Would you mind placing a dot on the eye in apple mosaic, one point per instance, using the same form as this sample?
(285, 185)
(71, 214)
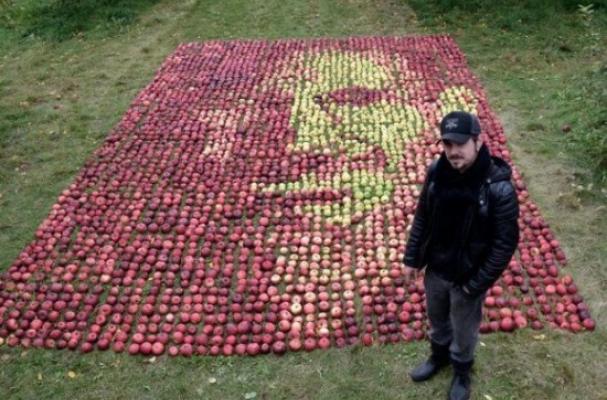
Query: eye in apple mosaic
(256, 198)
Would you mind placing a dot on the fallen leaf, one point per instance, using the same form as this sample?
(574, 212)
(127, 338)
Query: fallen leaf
(488, 397)
(539, 337)
(71, 374)
(39, 376)
(482, 344)
(250, 395)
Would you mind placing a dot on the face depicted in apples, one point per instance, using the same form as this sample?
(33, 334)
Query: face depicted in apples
(348, 107)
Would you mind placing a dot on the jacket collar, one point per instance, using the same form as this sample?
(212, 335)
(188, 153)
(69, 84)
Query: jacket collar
(500, 170)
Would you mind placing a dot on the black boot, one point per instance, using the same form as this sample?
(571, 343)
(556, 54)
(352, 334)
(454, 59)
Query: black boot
(460, 385)
(438, 359)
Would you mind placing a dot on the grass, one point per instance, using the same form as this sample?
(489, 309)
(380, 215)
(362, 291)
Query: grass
(538, 71)
(60, 20)
(61, 93)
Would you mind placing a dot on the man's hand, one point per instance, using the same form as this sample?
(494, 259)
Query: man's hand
(467, 293)
(410, 271)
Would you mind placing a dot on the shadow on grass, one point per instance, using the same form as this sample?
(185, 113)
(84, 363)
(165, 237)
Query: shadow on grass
(59, 20)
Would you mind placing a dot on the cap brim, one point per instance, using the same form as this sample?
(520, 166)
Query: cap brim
(459, 138)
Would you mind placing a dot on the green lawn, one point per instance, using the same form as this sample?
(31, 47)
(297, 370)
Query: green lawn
(62, 89)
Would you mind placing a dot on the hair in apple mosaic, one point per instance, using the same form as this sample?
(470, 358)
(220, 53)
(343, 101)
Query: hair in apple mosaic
(256, 198)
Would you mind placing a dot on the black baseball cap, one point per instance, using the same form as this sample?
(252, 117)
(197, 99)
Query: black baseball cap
(459, 127)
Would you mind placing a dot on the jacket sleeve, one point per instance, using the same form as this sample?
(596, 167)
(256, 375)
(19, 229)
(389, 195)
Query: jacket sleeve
(413, 250)
(505, 236)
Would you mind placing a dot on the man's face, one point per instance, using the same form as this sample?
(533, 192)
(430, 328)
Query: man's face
(461, 156)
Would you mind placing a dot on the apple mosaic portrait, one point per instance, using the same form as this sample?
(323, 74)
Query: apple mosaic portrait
(256, 197)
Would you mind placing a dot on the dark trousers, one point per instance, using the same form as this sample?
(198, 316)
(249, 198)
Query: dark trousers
(454, 318)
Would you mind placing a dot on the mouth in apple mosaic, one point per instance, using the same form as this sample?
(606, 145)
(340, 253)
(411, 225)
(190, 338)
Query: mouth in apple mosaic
(256, 197)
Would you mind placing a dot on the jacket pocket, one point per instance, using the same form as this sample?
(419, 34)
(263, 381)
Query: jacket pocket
(472, 259)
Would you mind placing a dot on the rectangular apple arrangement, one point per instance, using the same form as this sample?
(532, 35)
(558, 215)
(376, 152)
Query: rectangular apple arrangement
(256, 197)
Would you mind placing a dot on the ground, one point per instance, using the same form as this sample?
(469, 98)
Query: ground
(60, 98)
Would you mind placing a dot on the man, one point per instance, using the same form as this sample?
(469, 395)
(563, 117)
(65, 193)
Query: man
(464, 232)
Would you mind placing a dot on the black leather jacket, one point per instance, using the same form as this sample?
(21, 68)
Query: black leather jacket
(493, 232)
